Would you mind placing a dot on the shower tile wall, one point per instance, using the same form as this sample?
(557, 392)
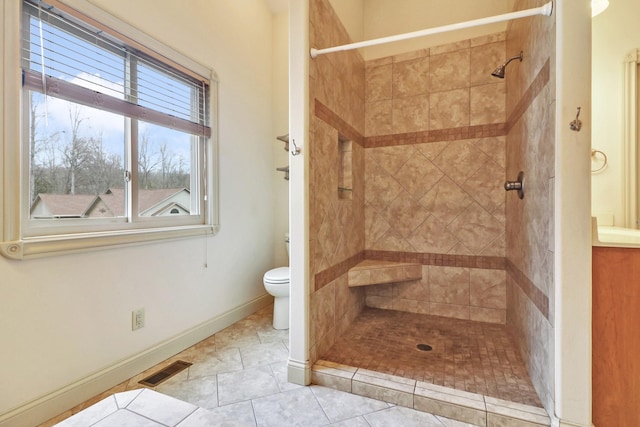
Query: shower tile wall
(434, 171)
(530, 227)
(336, 93)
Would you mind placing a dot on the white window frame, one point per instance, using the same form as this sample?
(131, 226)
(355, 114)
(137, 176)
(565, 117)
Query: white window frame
(14, 241)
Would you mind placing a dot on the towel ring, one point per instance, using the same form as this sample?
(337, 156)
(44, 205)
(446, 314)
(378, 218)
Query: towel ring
(594, 154)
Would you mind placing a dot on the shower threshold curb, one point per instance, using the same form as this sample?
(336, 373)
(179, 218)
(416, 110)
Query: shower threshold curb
(459, 405)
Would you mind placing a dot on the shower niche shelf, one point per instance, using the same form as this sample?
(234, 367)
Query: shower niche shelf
(372, 272)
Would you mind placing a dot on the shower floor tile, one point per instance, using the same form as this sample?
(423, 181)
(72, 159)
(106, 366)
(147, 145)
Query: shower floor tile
(472, 356)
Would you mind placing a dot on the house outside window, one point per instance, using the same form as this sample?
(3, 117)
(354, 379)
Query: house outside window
(116, 138)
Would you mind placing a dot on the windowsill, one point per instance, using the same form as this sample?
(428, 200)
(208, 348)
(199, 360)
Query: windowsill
(71, 243)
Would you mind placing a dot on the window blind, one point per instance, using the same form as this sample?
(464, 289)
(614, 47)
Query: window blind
(86, 65)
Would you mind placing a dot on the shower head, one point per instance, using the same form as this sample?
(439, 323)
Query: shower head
(499, 72)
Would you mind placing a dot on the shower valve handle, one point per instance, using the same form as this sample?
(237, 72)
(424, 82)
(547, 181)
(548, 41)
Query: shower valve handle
(512, 185)
(517, 185)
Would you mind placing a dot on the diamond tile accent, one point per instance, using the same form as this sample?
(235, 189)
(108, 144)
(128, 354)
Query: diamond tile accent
(406, 214)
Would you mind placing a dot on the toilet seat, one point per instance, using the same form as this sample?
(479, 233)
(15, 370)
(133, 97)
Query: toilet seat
(277, 275)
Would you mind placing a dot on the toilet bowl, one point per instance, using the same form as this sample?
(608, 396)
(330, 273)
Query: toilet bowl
(276, 282)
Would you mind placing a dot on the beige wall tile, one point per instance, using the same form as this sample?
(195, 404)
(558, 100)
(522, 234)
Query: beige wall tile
(322, 305)
(385, 303)
(460, 249)
(432, 149)
(378, 118)
(411, 78)
(487, 104)
(449, 109)
(411, 114)
(449, 71)
(380, 290)
(405, 214)
(496, 248)
(392, 241)
(387, 60)
(378, 83)
(449, 310)
(380, 188)
(460, 160)
(485, 58)
(446, 200)
(375, 226)
(476, 228)
(432, 236)
(486, 186)
(411, 290)
(488, 288)
(494, 148)
(488, 315)
(392, 158)
(449, 285)
(410, 306)
(418, 175)
(499, 213)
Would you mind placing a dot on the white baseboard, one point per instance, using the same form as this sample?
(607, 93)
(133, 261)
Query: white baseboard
(52, 404)
(299, 372)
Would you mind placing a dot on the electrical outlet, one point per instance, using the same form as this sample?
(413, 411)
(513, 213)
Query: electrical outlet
(137, 319)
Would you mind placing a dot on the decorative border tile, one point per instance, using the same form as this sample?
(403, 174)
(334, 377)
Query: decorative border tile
(332, 119)
(437, 135)
(324, 277)
(445, 260)
(539, 299)
(330, 274)
(529, 96)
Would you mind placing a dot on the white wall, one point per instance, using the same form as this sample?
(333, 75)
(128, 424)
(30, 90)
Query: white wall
(351, 13)
(371, 19)
(65, 317)
(614, 33)
(386, 18)
(280, 127)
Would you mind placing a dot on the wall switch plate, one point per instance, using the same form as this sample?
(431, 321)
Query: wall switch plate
(137, 319)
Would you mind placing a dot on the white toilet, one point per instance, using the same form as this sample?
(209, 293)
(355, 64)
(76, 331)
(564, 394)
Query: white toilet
(276, 282)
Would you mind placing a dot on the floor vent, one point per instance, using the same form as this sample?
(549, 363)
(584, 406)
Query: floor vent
(166, 373)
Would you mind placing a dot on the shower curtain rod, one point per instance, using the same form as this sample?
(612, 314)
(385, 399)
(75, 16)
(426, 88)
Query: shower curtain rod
(545, 10)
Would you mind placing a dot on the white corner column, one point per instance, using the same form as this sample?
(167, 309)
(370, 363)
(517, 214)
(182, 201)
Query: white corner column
(572, 353)
(299, 369)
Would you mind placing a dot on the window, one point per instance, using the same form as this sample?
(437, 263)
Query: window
(116, 138)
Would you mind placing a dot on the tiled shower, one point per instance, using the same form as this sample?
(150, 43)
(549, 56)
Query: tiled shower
(432, 136)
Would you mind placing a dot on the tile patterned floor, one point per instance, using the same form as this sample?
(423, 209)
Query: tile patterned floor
(471, 356)
(238, 378)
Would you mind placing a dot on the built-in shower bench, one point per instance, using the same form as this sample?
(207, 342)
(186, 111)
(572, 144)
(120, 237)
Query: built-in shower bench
(373, 272)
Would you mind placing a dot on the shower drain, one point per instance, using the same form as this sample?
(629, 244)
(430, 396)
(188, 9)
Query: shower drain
(424, 347)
